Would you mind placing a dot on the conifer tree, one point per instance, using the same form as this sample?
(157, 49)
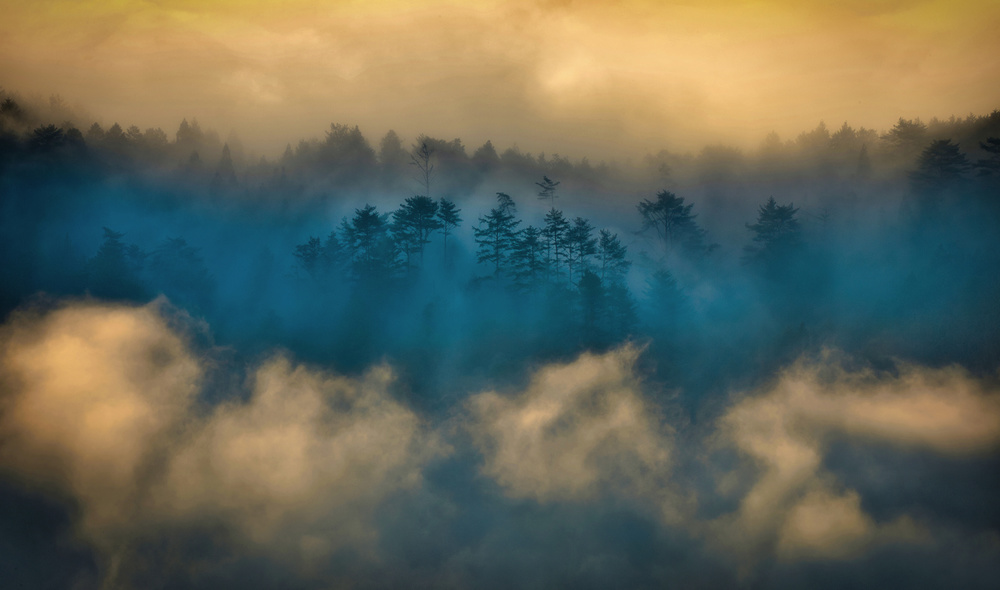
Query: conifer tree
(496, 235)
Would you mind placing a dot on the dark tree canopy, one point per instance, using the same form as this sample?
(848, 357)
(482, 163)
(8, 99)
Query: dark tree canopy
(496, 235)
(674, 224)
(776, 234)
(940, 165)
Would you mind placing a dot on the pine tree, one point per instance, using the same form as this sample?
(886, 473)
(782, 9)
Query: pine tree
(528, 259)
(674, 224)
(366, 236)
(580, 245)
(776, 234)
(611, 255)
(421, 158)
(412, 225)
(940, 165)
(225, 174)
(449, 217)
(554, 233)
(114, 272)
(496, 235)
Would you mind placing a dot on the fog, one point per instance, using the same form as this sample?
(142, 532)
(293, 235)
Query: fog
(596, 79)
(317, 339)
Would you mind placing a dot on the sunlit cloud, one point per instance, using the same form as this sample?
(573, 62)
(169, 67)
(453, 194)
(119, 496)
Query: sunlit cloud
(645, 75)
(103, 411)
(795, 507)
(577, 431)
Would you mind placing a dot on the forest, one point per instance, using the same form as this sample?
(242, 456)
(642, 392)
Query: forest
(491, 269)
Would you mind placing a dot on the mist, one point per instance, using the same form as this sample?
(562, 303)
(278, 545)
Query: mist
(606, 81)
(540, 295)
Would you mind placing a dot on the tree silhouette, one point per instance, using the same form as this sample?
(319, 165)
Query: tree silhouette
(528, 259)
(412, 225)
(940, 165)
(496, 234)
(346, 154)
(46, 139)
(225, 173)
(449, 217)
(611, 255)
(776, 234)
(366, 237)
(554, 233)
(674, 224)
(906, 135)
(548, 191)
(114, 271)
(580, 245)
(421, 158)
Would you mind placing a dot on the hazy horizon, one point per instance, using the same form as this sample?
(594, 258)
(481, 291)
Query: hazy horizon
(595, 79)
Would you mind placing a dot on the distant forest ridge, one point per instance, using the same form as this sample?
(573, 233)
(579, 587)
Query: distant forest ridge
(348, 159)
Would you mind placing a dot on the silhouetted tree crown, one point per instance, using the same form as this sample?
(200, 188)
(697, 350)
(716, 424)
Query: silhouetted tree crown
(674, 224)
(941, 164)
(496, 235)
(776, 233)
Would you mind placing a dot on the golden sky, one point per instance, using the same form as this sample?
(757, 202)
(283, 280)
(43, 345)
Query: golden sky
(586, 77)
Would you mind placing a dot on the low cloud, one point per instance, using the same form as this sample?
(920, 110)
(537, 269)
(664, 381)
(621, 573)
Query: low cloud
(796, 509)
(101, 409)
(578, 430)
(95, 395)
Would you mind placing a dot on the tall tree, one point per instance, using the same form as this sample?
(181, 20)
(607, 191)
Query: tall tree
(497, 235)
(366, 237)
(554, 233)
(580, 246)
(528, 259)
(674, 224)
(449, 217)
(412, 225)
(421, 158)
(611, 255)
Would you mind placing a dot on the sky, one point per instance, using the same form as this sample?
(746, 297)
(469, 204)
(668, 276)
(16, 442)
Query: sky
(576, 77)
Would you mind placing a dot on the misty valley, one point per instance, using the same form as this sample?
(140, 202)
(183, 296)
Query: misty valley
(412, 363)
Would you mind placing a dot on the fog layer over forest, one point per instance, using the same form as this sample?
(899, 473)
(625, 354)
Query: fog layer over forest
(408, 362)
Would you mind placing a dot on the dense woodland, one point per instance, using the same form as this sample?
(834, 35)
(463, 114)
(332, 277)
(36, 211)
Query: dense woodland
(458, 265)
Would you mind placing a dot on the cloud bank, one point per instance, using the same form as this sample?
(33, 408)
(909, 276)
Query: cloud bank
(101, 410)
